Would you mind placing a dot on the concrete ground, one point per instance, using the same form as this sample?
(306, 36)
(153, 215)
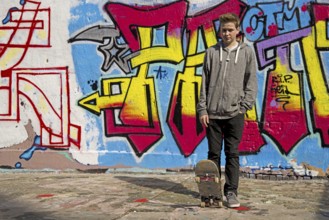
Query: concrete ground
(162, 195)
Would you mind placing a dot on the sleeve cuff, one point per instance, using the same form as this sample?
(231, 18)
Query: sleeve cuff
(243, 110)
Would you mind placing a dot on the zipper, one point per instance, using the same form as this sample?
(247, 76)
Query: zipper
(227, 60)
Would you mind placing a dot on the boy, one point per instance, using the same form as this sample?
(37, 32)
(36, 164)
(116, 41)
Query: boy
(228, 90)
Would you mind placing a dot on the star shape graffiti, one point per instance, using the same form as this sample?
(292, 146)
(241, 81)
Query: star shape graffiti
(114, 53)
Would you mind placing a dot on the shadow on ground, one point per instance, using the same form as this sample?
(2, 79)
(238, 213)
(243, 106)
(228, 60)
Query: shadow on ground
(22, 210)
(155, 183)
(324, 206)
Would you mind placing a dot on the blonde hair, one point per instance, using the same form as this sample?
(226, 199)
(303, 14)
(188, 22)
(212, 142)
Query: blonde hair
(230, 17)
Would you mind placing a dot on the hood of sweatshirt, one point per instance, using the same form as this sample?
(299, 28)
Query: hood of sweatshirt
(240, 45)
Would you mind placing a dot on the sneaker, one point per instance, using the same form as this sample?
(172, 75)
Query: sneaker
(232, 200)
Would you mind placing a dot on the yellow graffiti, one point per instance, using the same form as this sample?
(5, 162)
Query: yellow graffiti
(134, 96)
(210, 35)
(5, 35)
(314, 70)
(291, 88)
(110, 98)
(74, 132)
(42, 35)
(140, 97)
(321, 34)
(11, 57)
(171, 52)
(194, 58)
(188, 79)
(251, 115)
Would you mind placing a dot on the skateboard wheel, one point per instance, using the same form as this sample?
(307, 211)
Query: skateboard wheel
(197, 179)
(203, 204)
(220, 204)
(216, 179)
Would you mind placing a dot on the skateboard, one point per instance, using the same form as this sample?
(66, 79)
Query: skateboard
(209, 184)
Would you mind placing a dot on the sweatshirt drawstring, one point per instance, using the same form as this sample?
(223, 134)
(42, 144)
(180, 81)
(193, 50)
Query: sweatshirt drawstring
(237, 54)
(221, 54)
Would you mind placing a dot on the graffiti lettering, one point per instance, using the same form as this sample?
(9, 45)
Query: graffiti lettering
(141, 78)
(283, 90)
(279, 24)
(273, 18)
(282, 78)
(161, 74)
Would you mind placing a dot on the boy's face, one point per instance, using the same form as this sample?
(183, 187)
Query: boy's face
(228, 32)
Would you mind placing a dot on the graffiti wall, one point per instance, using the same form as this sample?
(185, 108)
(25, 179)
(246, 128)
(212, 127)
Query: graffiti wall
(94, 83)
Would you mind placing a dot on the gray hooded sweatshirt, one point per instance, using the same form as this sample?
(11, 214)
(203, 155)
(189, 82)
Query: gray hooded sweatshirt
(229, 83)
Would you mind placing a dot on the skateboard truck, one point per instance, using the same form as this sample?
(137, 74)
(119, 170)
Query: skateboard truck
(209, 184)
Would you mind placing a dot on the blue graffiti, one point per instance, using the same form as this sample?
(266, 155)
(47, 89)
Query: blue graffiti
(7, 18)
(27, 155)
(18, 165)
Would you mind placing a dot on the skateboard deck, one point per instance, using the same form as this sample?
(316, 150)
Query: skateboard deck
(209, 184)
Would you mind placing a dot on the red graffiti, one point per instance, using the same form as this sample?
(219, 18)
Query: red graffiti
(140, 137)
(321, 125)
(59, 132)
(24, 28)
(249, 30)
(186, 129)
(304, 7)
(206, 18)
(320, 12)
(284, 121)
(128, 19)
(252, 139)
(45, 195)
(273, 30)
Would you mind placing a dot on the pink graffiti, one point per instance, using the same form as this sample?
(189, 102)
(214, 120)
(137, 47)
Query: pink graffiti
(140, 137)
(273, 30)
(128, 18)
(249, 30)
(321, 123)
(320, 12)
(252, 139)
(285, 124)
(186, 129)
(277, 119)
(206, 18)
(304, 7)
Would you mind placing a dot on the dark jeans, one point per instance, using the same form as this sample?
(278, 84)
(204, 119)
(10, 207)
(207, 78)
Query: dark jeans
(229, 131)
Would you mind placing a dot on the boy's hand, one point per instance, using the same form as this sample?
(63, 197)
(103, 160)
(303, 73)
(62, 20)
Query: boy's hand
(204, 119)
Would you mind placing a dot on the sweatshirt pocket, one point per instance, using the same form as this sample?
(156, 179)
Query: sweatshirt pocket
(212, 100)
(232, 102)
